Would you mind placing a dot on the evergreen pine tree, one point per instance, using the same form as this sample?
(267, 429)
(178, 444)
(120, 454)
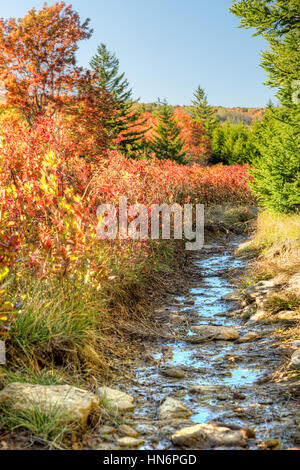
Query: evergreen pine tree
(277, 172)
(125, 124)
(201, 110)
(167, 143)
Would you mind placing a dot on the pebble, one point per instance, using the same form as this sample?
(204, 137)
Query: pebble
(125, 430)
(173, 372)
(272, 443)
(129, 442)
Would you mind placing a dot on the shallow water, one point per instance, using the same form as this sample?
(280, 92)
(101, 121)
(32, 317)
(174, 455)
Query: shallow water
(234, 367)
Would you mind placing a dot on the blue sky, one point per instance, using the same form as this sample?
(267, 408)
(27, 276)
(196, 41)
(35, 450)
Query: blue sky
(168, 47)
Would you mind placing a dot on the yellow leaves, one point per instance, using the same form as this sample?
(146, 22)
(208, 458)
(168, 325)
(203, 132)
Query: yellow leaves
(3, 273)
(51, 160)
(49, 184)
(12, 191)
(77, 199)
(7, 306)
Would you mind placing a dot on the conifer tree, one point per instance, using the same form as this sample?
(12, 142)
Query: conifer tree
(167, 143)
(277, 173)
(201, 110)
(125, 127)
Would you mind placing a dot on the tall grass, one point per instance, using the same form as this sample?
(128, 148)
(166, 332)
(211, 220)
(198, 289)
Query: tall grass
(277, 229)
(56, 319)
(47, 428)
(276, 245)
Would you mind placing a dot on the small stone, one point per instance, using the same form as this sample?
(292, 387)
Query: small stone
(258, 316)
(207, 389)
(250, 433)
(205, 436)
(248, 337)
(173, 372)
(261, 288)
(239, 396)
(172, 409)
(129, 442)
(272, 443)
(295, 360)
(212, 332)
(125, 430)
(233, 296)
(146, 429)
(288, 316)
(248, 311)
(116, 400)
(189, 302)
(106, 430)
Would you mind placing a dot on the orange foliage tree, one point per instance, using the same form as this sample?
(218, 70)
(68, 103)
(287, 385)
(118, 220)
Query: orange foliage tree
(37, 58)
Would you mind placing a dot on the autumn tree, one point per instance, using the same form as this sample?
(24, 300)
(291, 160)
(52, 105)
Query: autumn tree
(37, 58)
(88, 113)
(124, 125)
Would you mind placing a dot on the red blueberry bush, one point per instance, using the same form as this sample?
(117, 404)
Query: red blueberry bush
(49, 196)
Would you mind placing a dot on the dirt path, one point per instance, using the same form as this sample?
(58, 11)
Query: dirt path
(220, 381)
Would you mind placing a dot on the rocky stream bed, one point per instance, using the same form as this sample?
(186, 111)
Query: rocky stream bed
(206, 382)
(218, 369)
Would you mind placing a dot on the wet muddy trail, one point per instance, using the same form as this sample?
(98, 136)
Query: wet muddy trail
(222, 381)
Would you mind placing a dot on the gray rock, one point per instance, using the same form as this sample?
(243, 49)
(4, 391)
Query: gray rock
(106, 430)
(288, 316)
(146, 429)
(205, 436)
(116, 400)
(173, 372)
(233, 296)
(212, 332)
(73, 405)
(129, 442)
(251, 336)
(263, 288)
(125, 430)
(211, 390)
(295, 360)
(172, 409)
(189, 302)
(258, 316)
